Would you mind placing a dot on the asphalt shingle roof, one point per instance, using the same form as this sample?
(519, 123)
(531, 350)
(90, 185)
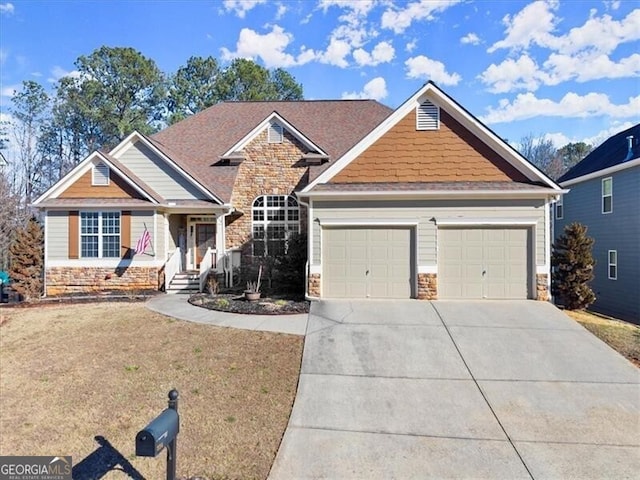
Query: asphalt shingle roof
(198, 142)
(610, 153)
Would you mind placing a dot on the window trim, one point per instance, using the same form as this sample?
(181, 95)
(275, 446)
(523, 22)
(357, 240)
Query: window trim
(290, 204)
(107, 175)
(610, 195)
(560, 208)
(613, 264)
(100, 234)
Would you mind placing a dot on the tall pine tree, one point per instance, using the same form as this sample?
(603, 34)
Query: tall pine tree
(573, 264)
(26, 260)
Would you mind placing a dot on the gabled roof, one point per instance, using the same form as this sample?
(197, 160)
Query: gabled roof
(198, 142)
(613, 152)
(431, 92)
(65, 182)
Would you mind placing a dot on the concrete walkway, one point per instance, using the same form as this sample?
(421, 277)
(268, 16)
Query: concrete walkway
(497, 390)
(177, 306)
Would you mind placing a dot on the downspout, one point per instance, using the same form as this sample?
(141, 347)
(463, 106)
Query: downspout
(307, 266)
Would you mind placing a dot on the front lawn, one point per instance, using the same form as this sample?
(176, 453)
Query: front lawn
(621, 336)
(71, 373)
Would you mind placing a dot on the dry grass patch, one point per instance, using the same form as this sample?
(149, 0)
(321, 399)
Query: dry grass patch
(70, 373)
(621, 336)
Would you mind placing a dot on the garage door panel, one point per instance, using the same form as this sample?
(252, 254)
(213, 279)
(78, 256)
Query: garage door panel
(376, 262)
(483, 263)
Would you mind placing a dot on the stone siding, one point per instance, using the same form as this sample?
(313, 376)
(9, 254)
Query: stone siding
(542, 289)
(68, 280)
(268, 169)
(314, 285)
(427, 286)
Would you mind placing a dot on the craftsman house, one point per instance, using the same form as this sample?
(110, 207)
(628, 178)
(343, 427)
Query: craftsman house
(420, 202)
(604, 195)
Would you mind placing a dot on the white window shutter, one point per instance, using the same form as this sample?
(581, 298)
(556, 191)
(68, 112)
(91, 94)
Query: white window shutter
(276, 133)
(100, 174)
(428, 116)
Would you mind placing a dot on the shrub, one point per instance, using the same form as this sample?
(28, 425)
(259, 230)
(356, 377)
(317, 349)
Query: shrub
(573, 263)
(26, 257)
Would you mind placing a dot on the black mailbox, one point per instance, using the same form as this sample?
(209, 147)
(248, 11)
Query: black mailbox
(160, 432)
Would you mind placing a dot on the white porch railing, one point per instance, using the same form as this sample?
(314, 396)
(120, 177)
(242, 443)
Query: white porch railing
(173, 266)
(206, 264)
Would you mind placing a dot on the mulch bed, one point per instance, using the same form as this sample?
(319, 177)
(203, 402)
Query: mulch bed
(235, 303)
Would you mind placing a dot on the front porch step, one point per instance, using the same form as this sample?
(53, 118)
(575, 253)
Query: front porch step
(185, 282)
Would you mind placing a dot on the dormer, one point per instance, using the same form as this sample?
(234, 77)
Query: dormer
(233, 158)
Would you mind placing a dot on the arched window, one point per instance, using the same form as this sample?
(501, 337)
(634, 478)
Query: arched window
(275, 217)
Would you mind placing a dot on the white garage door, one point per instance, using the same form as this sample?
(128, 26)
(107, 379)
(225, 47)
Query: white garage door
(366, 262)
(483, 263)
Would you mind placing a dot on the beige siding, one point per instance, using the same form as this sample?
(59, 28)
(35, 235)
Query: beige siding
(158, 174)
(57, 235)
(426, 213)
(138, 221)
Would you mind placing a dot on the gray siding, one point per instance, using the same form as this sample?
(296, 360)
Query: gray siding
(618, 230)
(424, 212)
(57, 235)
(138, 221)
(158, 174)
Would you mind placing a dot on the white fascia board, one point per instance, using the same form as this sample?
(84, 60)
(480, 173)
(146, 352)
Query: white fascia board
(430, 194)
(136, 137)
(603, 172)
(455, 222)
(264, 124)
(346, 222)
(66, 181)
(433, 93)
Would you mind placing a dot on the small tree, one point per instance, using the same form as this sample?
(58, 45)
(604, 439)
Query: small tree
(26, 260)
(573, 264)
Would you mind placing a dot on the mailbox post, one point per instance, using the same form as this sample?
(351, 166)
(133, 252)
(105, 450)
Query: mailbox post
(162, 432)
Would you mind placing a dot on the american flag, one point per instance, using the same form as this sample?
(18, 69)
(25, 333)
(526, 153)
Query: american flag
(143, 242)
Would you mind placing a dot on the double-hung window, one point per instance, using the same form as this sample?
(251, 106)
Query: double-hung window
(275, 217)
(100, 234)
(607, 195)
(613, 264)
(559, 209)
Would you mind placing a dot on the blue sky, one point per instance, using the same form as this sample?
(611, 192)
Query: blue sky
(567, 70)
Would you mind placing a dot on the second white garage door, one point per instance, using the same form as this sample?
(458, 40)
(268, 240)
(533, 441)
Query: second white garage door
(483, 263)
(366, 262)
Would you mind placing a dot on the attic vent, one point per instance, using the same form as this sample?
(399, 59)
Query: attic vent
(428, 116)
(275, 133)
(100, 174)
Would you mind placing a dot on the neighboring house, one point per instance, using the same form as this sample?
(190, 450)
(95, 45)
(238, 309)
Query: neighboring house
(422, 202)
(605, 196)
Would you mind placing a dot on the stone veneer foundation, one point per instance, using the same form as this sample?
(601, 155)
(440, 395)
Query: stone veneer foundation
(427, 286)
(69, 280)
(542, 287)
(314, 285)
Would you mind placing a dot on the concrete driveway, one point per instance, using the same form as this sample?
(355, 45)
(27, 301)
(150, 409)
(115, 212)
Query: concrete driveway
(410, 389)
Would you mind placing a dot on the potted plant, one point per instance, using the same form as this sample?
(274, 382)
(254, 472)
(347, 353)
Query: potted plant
(252, 293)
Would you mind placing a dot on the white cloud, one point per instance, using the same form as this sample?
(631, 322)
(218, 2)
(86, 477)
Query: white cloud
(470, 39)
(613, 5)
(7, 8)
(383, 52)
(376, 89)
(270, 48)
(532, 25)
(525, 74)
(572, 105)
(241, 7)
(357, 7)
(282, 9)
(58, 72)
(336, 53)
(411, 46)
(399, 20)
(9, 90)
(423, 67)
(510, 75)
